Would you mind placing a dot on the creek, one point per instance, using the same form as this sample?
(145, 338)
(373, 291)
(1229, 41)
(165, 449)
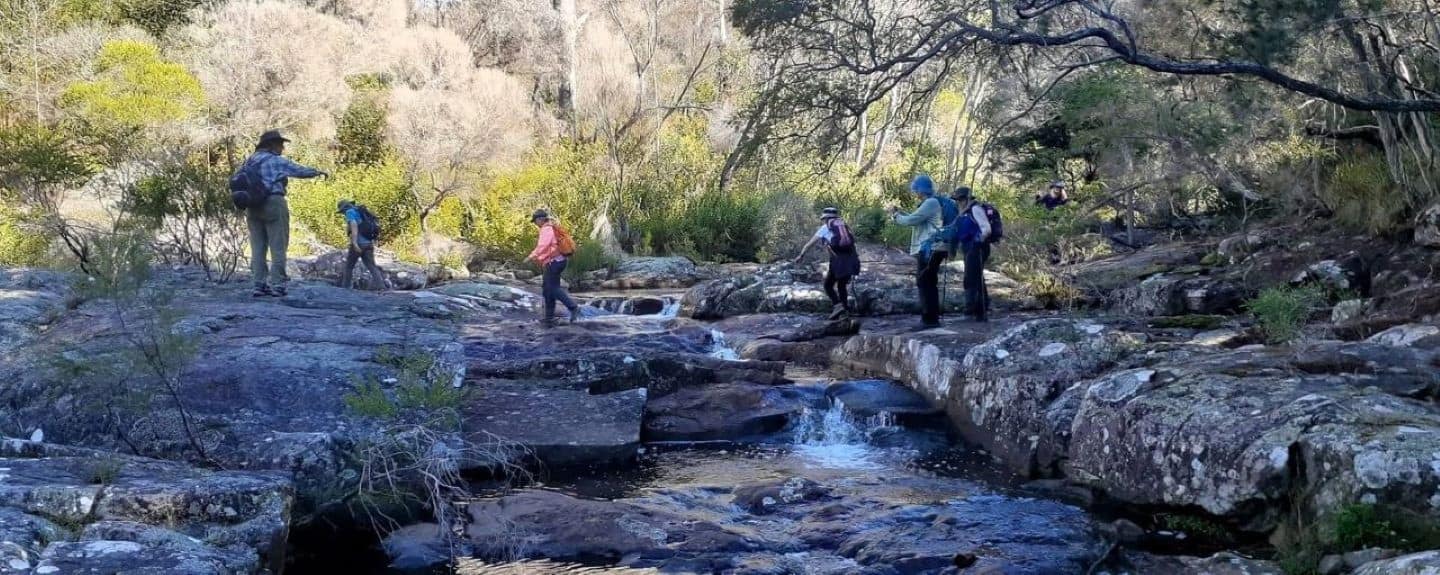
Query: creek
(831, 492)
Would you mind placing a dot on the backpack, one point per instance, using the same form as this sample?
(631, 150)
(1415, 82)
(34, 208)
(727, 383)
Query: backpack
(563, 241)
(840, 237)
(369, 225)
(247, 188)
(949, 233)
(997, 225)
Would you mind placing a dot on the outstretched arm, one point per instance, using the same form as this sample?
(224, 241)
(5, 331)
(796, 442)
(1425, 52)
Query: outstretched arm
(288, 168)
(806, 249)
(922, 214)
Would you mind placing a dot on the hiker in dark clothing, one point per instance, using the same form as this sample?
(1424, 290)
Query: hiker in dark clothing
(927, 219)
(1053, 197)
(975, 230)
(551, 252)
(844, 259)
(361, 248)
(269, 222)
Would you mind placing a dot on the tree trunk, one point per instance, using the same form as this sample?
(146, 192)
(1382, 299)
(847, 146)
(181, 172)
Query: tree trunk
(569, 38)
(724, 22)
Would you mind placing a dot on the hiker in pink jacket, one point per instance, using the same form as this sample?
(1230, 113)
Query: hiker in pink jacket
(552, 260)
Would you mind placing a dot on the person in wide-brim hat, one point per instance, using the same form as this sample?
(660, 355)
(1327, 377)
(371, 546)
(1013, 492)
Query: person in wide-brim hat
(844, 259)
(270, 138)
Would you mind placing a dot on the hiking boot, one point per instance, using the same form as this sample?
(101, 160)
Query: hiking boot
(574, 315)
(260, 291)
(547, 323)
(278, 291)
(838, 312)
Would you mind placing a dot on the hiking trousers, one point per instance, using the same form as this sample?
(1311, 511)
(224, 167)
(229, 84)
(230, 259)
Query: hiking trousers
(927, 279)
(553, 291)
(838, 289)
(977, 297)
(269, 226)
(366, 255)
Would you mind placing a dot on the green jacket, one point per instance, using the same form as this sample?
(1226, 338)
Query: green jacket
(927, 220)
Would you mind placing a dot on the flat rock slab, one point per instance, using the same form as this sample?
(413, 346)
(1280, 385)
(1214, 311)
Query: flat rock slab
(561, 427)
(724, 411)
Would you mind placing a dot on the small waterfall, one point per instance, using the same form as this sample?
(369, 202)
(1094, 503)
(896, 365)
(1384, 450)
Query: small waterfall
(719, 348)
(835, 438)
(672, 309)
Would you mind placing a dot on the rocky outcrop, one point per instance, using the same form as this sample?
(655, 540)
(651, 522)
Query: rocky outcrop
(556, 426)
(652, 273)
(31, 300)
(1427, 226)
(1168, 295)
(1423, 563)
(136, 515)
(1002, 393)
(1238, 433)
(330, 265)
(267, 383)
(880, 289)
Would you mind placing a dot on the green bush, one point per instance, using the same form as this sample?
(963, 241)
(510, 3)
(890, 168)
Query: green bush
(1352, 528)
(1363, 196)
(588, 257)
(22, 244)
(1282, 311)
(383, 188)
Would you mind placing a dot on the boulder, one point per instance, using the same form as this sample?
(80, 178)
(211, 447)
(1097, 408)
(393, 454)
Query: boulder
(722, 411)
(1409, 335)
(1423, 563)
(1235, 248)
(330, 265)
(1174, 294)
(870, 397)
(1349, 310)
(763, 497)
(1223, 563)
(1427, 226)
(1330, 274)
(652, 272)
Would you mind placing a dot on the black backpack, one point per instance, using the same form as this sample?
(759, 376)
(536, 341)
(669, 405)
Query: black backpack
(247, 188)
(369, 224)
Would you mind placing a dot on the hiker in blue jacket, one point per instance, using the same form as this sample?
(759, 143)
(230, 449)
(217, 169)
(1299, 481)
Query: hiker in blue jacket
(974, 236)
(361, 248)
(927, 220)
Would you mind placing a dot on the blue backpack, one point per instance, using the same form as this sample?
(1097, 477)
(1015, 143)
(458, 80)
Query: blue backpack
(247, 188)
(949, 234)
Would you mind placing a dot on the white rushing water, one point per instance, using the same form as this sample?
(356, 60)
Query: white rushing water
(719, 348)
(671, 310)
(836, 439)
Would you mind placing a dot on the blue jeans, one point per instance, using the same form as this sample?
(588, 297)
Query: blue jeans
(552, 291)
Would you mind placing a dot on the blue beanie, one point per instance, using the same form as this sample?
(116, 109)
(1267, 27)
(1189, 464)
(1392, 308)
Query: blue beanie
(923, 185)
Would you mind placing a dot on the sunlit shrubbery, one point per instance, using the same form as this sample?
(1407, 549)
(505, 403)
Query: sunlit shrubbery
(21, 244)
(382, 188)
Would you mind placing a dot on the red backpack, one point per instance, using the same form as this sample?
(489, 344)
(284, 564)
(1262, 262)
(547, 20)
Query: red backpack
(840, 237)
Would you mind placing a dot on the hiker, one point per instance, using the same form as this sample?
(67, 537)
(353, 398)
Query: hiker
(551, 252)
(974, 235)
(927, 219)
(268, 218)
(844, 259)
(1053, 197)
(363, 230)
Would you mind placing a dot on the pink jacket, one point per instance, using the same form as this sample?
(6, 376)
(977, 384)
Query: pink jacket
(547, 249)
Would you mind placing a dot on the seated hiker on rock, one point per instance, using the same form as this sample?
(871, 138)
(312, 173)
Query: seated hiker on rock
(1053, 197)
(552, 253)
(844, 259)
(363, 229)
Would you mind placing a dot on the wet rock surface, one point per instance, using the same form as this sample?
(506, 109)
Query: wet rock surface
(724, 411)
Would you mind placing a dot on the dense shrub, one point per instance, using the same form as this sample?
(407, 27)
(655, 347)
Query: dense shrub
(1282, 311)
(382, 188)
(21, 243)
(1363, 197)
